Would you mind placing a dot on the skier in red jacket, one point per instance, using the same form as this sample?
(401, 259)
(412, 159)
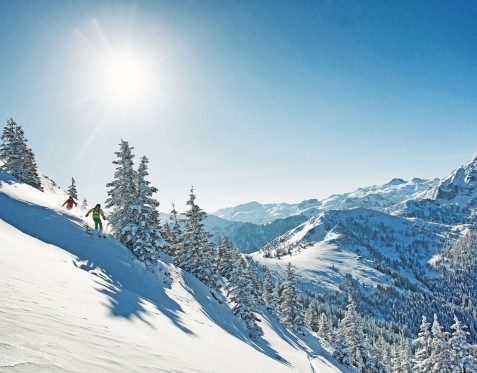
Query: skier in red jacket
(69, 203)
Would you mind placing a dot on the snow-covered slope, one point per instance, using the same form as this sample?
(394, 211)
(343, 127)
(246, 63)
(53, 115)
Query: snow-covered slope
(379, 197)
(334, 244)
(71, 302)
(452, 201)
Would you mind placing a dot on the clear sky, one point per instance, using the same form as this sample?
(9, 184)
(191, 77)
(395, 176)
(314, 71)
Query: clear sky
(273, 101)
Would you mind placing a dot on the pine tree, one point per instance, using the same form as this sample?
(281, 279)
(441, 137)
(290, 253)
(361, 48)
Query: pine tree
(196, 253)
(166, 234)
(460, 350)
(275, 300)
(290, 308)
(72, 191)
(311, 317)
(351, 329)
(342, 352)
(422, 362)
(173, 234)
(323, 327)
(122, 194)
(18, 158)
(9, 152)
(255, 285)
(267, 290)
(226, 257)
(405, 355)
(30, 174)
(440, 357)
(147, 240)
(241, 289)
(395, 359)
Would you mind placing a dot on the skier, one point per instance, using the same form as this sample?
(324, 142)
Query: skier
(97, 213)
(69, 203)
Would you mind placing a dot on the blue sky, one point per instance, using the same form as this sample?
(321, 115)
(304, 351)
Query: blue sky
(273, 101)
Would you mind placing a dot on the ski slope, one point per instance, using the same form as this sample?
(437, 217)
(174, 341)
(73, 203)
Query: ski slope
(71, 302)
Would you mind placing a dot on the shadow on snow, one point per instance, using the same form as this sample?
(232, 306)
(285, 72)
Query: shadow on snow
(123, 279)
(120, 277)
(232, 325)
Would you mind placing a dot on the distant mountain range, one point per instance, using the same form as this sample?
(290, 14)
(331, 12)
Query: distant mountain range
(254, 212)
(384, 244)
(252, 225)
(376, 197)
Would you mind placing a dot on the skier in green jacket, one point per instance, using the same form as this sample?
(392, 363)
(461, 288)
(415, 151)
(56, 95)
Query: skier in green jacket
(97, 213)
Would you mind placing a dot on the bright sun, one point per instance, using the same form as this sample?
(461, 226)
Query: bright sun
(116, 75)
(123, 77)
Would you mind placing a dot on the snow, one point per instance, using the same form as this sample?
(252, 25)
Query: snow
(378, 197)
(452, 201)
(71, 302)
(254, 212)
(323, 266)
(334, 244)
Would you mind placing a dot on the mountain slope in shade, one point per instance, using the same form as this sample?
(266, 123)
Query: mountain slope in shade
(71, 302)
(452, 201)
(249, 237)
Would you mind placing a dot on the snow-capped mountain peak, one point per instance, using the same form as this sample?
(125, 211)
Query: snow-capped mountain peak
(461, 182)
(453, 200)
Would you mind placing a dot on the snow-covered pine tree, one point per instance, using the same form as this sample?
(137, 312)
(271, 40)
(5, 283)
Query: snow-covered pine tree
(342, 352)
(373, 363)
(395, 359)
(72, 191)
(350, 327)
(277, 292)
(225, 257)
(461, 358)
(166, 234)
(255, 285)
(323, 327)
(18, 158)
(422, 362)
(122, 194)
(147, 241)
(290, 307)
(440, 355)
(311, 317)
(267, 291)
(405, 355)
(196, 253)
(240, 294)
(30, 173)
(174, 234)
(8, 151)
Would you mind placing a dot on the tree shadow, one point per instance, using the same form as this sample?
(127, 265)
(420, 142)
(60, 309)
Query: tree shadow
(220, 314)
(127, 284)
